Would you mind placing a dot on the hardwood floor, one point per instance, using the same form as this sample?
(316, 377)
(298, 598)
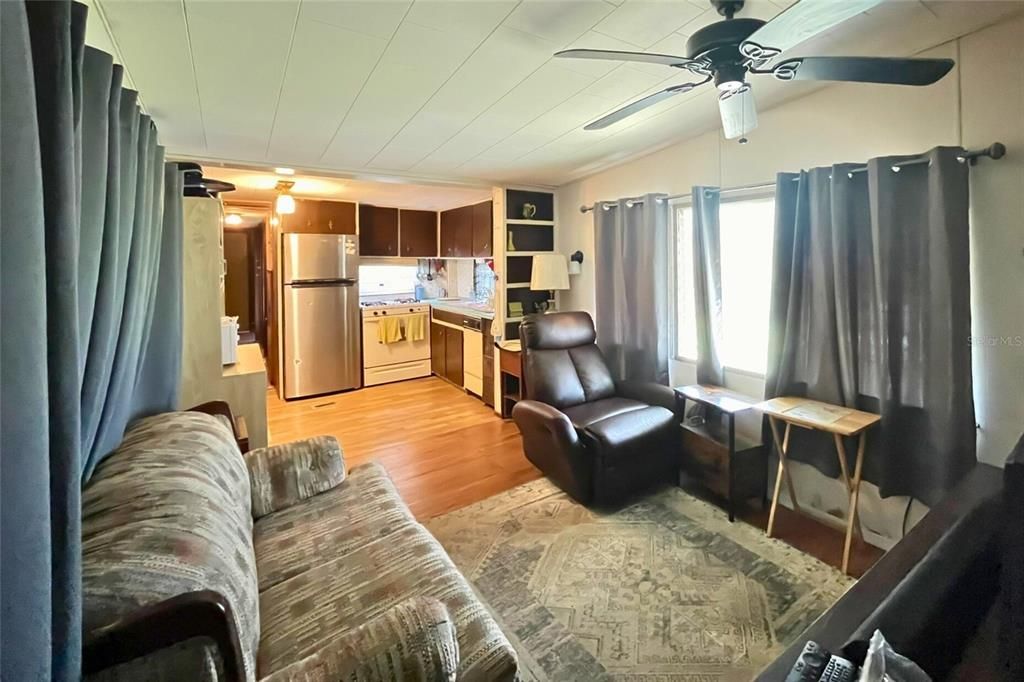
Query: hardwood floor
(445, 450)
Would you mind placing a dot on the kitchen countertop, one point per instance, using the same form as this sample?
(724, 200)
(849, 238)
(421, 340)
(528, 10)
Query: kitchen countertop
(463, 307)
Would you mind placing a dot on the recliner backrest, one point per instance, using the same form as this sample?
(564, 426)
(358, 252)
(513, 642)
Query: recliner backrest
(561, 361)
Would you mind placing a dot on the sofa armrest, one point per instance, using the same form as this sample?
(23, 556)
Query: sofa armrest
(282, 475)
(202, 619)
(222, 411)
(413, 640)
(647, 392)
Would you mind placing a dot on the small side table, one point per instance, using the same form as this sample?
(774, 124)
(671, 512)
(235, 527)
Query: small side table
(510, 365)
(833, 419)
(734, 468)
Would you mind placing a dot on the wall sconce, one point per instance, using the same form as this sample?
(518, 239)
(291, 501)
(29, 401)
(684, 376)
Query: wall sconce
(285, 204)
(576, 263)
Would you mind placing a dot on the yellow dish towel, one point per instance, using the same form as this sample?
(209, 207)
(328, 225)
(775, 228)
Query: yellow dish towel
(389, 330)
(416, 327)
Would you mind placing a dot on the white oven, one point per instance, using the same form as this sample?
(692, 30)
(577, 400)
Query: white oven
(398, 355)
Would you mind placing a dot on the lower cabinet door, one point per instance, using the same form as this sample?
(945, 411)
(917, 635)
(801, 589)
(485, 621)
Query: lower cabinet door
(437, 348)
(453, 355)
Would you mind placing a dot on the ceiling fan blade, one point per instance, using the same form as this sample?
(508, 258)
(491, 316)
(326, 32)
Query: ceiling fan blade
(864, 70)
(798, 23)
(641, 104)
(739, 112)
(618, 55)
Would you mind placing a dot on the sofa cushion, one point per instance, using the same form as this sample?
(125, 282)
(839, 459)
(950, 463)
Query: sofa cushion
(167, 513)
(300, 616)
(631, 431)
(586, 414)
(362, 509)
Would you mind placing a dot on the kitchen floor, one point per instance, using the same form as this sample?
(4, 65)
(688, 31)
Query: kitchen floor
(443, 448)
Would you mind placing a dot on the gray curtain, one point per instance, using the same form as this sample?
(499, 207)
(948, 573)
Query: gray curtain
(632, 287)
(871, 309)
(707, 283)
(79, 319)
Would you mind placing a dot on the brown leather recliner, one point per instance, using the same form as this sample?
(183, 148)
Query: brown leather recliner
(597, 439)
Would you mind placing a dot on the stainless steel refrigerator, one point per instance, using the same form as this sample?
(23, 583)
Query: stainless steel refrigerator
(322, 323)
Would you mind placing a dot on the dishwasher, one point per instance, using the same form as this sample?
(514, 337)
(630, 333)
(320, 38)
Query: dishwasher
(473, 355)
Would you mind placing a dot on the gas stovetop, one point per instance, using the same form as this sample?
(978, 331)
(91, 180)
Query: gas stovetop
(393, 306)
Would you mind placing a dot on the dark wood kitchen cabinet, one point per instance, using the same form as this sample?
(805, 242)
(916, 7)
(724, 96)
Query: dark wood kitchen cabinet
(483, 229)
(378, 231)
(418, 230)
(457, 232)
(446, 353)
(321, 217)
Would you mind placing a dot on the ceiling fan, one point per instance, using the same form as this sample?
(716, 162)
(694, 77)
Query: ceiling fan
(726, 51)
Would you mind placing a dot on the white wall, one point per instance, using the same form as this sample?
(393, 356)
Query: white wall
(980, 102)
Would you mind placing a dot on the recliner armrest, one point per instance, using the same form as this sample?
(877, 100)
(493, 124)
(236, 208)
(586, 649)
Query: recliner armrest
(533, 416)
(647, 392)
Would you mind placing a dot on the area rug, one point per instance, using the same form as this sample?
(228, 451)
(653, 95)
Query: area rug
(665, 589)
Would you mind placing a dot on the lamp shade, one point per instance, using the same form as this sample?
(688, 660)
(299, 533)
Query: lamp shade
(550, 271)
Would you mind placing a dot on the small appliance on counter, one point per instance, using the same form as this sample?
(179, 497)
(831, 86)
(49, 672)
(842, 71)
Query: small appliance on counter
(228, 340)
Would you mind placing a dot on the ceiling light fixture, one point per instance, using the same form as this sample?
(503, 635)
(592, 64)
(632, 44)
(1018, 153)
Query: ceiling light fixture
(232, 219)
(285, 204)
(284, 171)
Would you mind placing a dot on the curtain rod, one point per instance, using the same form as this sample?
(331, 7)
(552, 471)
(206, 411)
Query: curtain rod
(996, 150)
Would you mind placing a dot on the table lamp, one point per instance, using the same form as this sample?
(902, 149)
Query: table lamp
(550, 272)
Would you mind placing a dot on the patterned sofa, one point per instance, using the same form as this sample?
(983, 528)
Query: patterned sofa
(200, 563)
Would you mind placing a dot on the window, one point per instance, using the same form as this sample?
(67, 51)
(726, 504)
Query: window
(746, 229)
(378, 280)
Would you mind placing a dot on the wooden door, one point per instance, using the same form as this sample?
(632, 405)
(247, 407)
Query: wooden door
(378, 231)
(437, 349)
(449, 224)
(453, 355)
(464, 232)
(483, 222)
(337, 217)
(418, 233)
(304, 219)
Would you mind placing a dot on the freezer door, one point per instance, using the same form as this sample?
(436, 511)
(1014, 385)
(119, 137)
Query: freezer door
(322, 346)
(320, 257)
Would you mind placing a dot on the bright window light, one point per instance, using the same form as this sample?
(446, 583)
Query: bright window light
(746, 229)
(378, 280)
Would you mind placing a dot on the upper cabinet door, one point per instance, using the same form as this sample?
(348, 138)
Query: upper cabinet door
(449, 233)
(378, 231)
(418, 231)
(304, 219)
(337, 217)
(483, 232)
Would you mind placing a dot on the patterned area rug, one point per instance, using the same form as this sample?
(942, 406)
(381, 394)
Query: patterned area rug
(665, 589)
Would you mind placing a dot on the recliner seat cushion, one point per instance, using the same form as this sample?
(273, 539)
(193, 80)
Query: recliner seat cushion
(585, 414)
(629, 432)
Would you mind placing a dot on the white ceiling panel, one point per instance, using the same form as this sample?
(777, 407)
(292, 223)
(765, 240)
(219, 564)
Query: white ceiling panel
(645, 22)
(151, 37)
(558, 21)
(327, 68)
(239, 71)
(373, 17)
(506, 58)
(451, 89)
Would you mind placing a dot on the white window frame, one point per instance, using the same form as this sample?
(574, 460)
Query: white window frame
(729, 196)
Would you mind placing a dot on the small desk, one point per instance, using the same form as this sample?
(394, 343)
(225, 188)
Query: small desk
(732, 469)
(840, 422)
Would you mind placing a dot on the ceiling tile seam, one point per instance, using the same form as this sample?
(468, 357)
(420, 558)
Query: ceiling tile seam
(284, 78)
(119, 55)
(366, 80)
(492, 106)
(195, 75)
(428, 100)
(531, 151)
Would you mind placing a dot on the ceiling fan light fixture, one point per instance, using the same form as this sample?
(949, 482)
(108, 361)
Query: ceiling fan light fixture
(729, 86)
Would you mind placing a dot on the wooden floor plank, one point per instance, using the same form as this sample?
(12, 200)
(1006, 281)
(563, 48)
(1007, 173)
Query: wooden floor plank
(445, 450)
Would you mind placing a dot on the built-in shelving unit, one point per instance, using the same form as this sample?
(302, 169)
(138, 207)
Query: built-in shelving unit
(522, 238)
